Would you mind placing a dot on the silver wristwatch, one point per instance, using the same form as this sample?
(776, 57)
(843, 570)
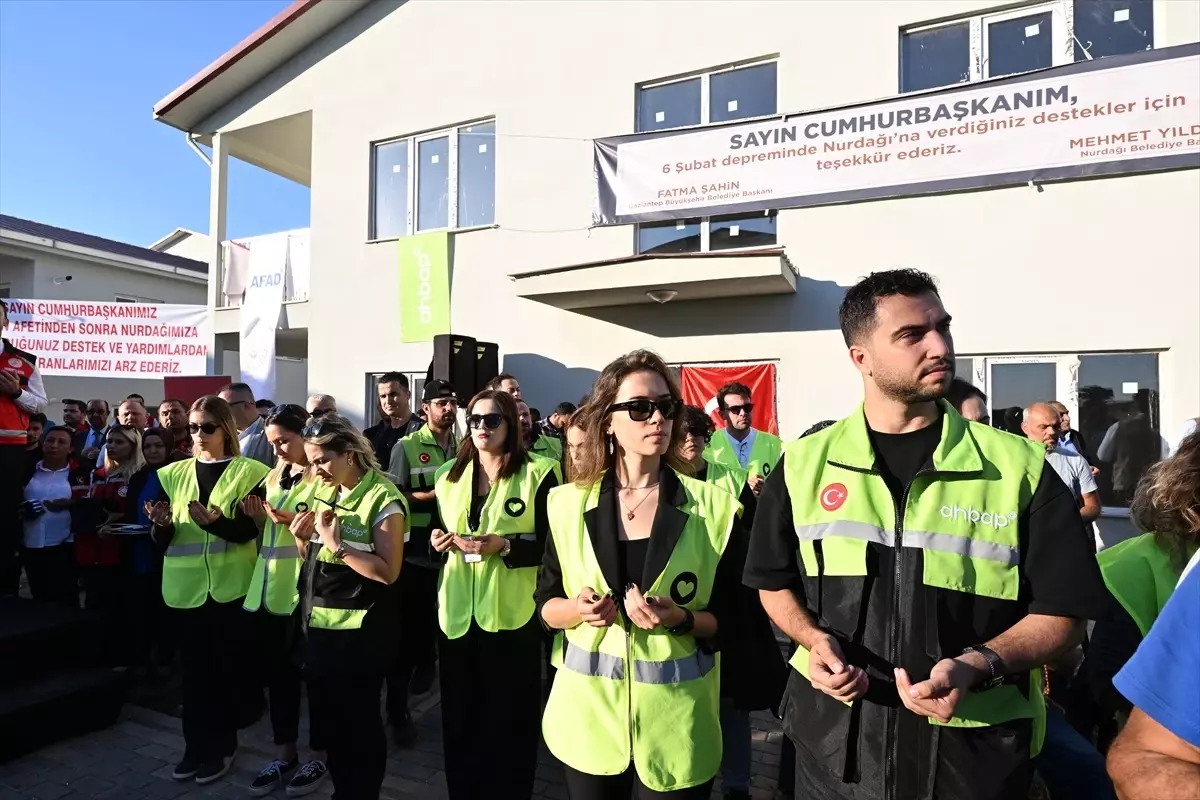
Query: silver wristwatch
(507, 548)
(341, 551)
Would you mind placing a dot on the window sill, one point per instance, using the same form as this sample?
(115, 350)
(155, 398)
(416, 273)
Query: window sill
(1114, 512)
(469, 229)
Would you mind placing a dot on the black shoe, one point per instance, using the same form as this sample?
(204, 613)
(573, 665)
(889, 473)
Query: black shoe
(422, 680)
(213, 770)
(307, 779)
(271, 777)
(404, 732)
(186, 768)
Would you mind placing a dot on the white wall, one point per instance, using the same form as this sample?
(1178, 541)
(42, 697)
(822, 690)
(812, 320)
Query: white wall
(193, 246)
(1090, 265)
(92, 281)
(16, 275)
(291, 376)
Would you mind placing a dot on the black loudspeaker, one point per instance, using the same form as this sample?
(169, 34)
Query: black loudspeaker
(454, 361)
(487, 363)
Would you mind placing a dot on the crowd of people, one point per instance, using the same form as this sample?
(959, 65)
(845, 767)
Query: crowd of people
(609, 580)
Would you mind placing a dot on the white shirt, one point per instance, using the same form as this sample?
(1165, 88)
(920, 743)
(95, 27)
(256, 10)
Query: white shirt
(1074, 470)
(53, 527)
(743, 447)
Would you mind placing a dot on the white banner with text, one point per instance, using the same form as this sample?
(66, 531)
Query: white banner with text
(261, 305)
(90, 339)
(1116, 115)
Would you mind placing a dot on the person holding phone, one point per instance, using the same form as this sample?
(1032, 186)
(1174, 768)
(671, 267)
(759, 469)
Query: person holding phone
(638, 580)
(274, 597)
(491, 529)
(209, 560)
(354, 534)
(48, 552)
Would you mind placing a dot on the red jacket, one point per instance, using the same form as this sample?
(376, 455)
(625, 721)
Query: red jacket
(14, 414)
(97, 497)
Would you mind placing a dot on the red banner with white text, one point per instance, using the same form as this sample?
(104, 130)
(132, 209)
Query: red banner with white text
(700, 385)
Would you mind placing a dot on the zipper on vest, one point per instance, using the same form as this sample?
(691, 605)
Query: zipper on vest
(629, 682)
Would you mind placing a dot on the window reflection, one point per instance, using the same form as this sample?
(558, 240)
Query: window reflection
(1112, 27)
(935, 57)
(1118, 420)
(741, 93)
(1015, 386)
(742, 230)
(433, 183)
(1020, 44)
(669, 237)
(669, 106)
(390, 204)
(477, 175)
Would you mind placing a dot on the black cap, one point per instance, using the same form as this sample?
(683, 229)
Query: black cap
(436, 389)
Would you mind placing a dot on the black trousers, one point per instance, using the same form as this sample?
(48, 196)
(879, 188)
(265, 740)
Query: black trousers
(13, 460)
(102, 592)
(581, 786)
(491, 692)
(345, 708)
(51, 574)
(417, 593)
(278, 636)
(219, 689)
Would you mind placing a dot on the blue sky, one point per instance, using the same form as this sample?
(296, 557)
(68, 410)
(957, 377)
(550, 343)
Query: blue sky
(79, 147)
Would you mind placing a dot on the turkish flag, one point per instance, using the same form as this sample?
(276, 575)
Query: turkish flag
(700, 385)
(189, 389)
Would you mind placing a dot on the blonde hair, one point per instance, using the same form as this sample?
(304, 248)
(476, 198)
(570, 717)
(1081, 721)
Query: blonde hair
(339, 435)
(1167, 501)
(220, 411)
(135, 461)
(595, 455)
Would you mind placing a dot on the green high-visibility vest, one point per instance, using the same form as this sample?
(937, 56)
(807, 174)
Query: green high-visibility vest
(547, 447)
(197, 564)
(275, 583)
(623, 692)
(1141, 575)
(424, 456)
(965, 524)
(342, 598)
(497, 597)
(731, 479)
(764, 453)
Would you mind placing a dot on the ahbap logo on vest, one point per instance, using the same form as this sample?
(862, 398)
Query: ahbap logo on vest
(683, 588)
(988, 519)
(351, 529)
(514, 506)
(833, 496)
(423, 458)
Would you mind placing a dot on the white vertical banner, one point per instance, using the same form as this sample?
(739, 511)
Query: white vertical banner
(260, 312)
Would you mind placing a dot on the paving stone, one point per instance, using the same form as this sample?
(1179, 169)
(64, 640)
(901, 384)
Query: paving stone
(48, 791)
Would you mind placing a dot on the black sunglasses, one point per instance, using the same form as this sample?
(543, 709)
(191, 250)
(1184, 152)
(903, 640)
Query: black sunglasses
(319, 412)
(642, 410)
(489, 421)
(313, 429)
(703, 433)
(736, 410)
(208, 428)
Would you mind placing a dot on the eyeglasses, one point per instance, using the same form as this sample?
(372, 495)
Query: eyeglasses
(642, 410)
(489, 421)
(736, 411)
(702, 433)
(208, 428)
(319, 412)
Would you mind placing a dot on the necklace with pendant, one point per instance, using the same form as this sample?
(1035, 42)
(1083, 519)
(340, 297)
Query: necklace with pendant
(631, 512)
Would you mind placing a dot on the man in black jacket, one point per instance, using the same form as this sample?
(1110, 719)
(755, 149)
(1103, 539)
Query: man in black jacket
(395, 404)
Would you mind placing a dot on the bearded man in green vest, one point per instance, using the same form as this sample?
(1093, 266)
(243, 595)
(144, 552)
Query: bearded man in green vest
(925, 566)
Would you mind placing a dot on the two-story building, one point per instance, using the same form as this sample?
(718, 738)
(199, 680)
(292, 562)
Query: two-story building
(480, 118)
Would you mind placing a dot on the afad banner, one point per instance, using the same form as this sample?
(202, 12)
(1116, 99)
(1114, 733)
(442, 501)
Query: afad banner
(424, 286)
(700, 385)
(1109, 116)
(86, 339)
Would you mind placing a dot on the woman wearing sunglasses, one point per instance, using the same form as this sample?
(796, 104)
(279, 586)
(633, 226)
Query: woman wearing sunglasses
(492, 528)
(639, 581)
(274, 596)
(354, 532)
(210, 555)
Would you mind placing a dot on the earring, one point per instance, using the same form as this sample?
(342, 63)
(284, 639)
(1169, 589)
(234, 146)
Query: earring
(612, 444)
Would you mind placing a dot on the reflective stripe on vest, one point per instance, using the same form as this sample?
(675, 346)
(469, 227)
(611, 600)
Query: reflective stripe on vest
(197, 564)
(623, 692)
(963, 516)
(496, 597)
(356, 517)
(417, 445)
(275, 583)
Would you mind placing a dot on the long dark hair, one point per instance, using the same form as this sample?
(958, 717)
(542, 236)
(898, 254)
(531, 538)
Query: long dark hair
(593, 417)
(514, 442)
(290, 417)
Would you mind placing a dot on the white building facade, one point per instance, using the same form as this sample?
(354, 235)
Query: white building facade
(478, 117)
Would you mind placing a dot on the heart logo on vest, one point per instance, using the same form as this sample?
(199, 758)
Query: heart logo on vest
(833, 496)
(514, 506)
(423, 458)
(683, 588)
(766, 470)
